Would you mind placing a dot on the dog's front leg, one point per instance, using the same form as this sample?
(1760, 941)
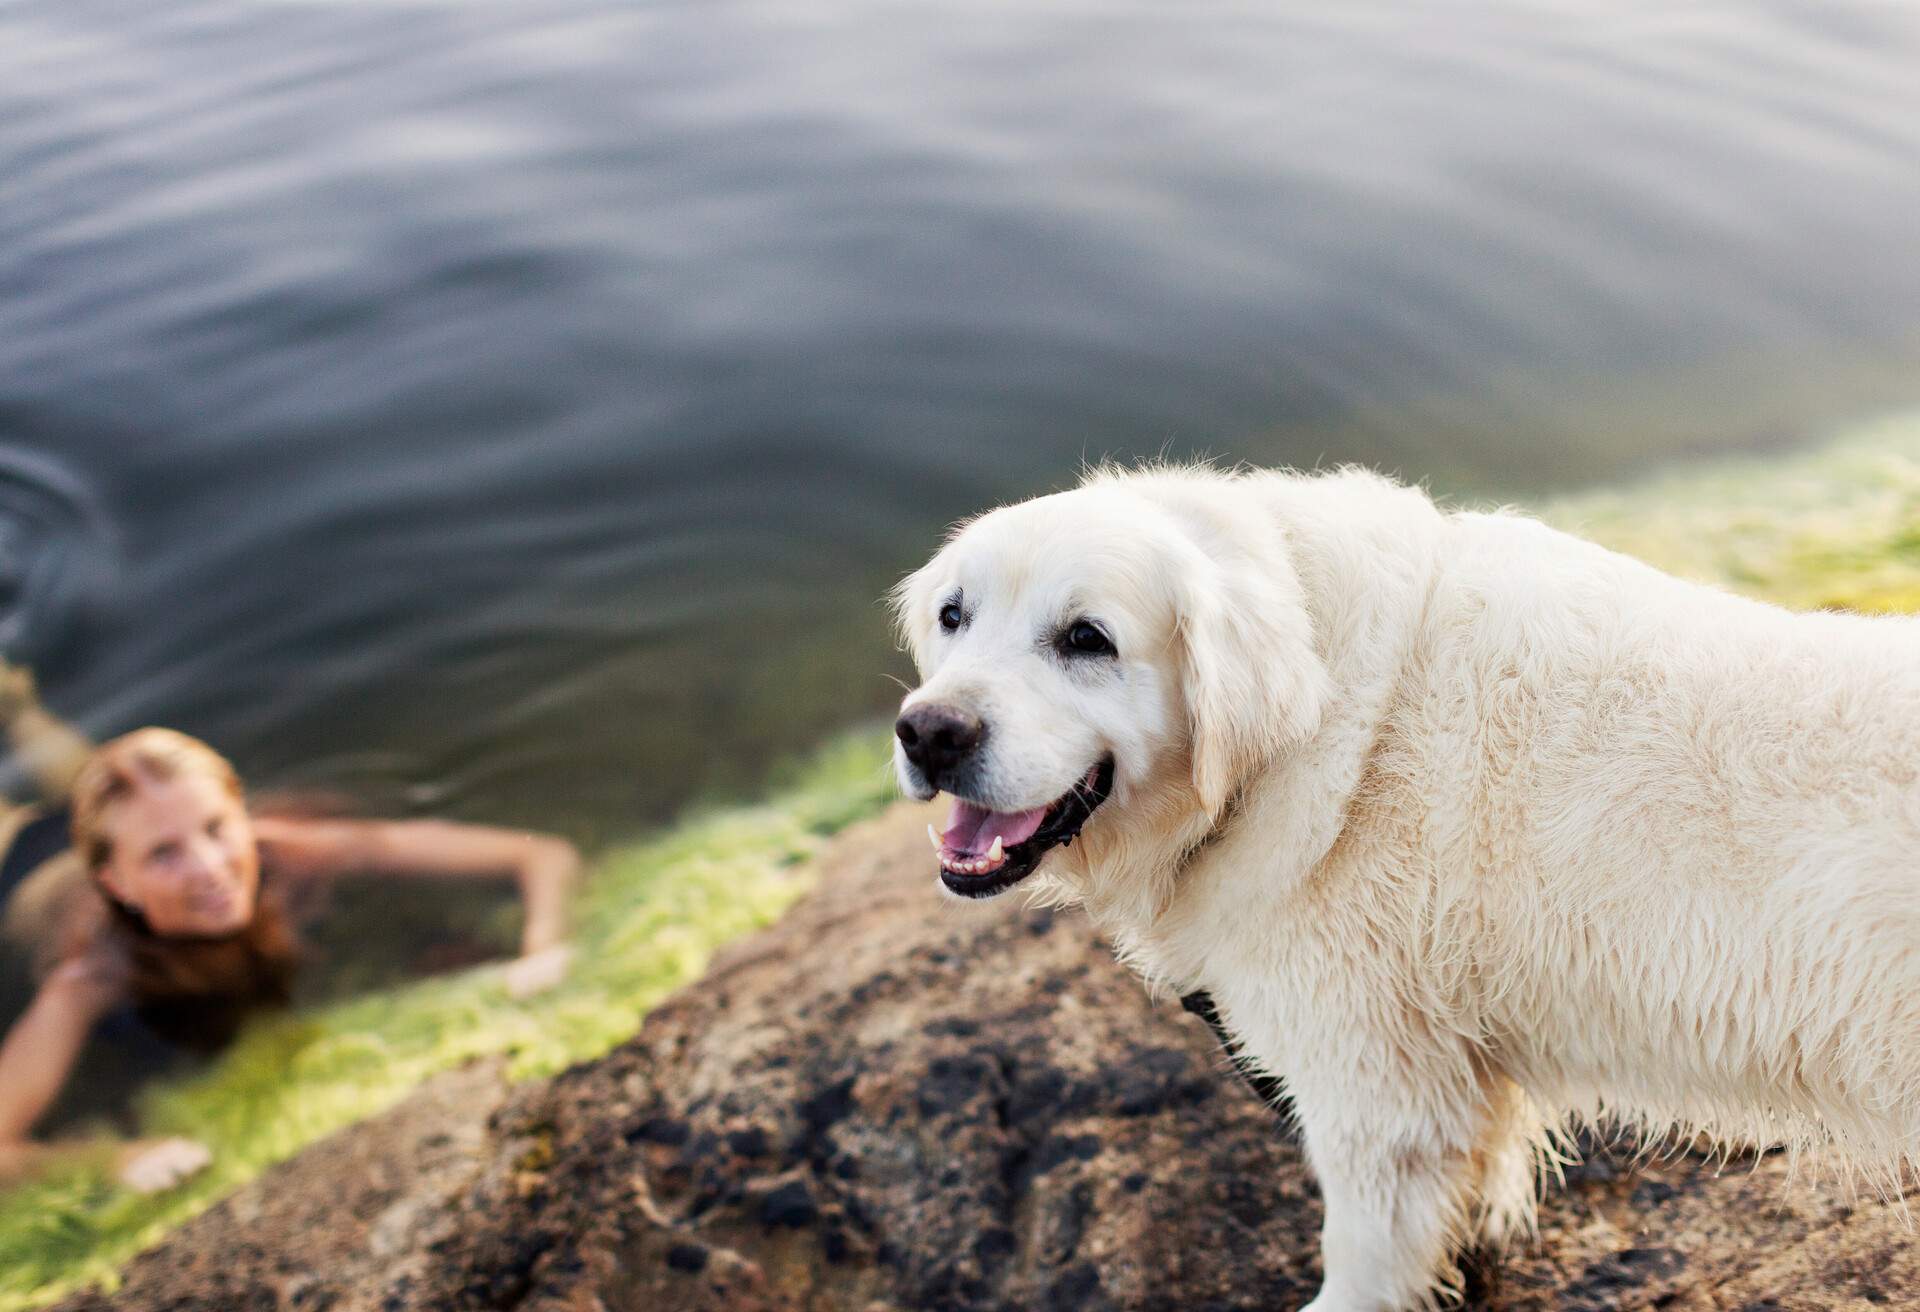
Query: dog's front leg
(1397, 1173)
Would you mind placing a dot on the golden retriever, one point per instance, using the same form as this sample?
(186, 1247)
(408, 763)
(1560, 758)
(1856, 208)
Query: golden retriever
(1468, 826)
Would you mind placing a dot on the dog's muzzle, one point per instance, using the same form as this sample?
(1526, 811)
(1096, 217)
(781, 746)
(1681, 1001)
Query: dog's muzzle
(984, 852)
(939, 740)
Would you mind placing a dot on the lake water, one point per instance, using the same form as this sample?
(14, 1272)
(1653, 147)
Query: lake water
(515, 410)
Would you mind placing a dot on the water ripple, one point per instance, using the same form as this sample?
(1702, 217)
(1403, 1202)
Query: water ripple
(58, 557)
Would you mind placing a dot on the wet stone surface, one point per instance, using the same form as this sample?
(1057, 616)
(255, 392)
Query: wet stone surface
(885, 1102)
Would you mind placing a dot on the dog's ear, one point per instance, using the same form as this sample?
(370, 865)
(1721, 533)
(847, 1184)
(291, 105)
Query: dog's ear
(911, 602)
(1254, 685)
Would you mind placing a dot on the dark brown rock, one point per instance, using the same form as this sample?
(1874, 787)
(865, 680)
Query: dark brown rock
(886, 1102)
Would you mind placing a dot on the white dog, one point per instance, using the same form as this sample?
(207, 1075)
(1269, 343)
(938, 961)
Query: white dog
(1468, 826)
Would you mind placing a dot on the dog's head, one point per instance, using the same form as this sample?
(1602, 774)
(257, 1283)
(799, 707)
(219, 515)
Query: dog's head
(1123, 654)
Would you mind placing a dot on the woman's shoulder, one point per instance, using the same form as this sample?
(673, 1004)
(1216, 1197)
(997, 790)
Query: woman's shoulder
(90, 961)
(97, 963)
(53, 909)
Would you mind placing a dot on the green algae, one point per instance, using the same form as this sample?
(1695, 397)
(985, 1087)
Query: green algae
(1835, 528)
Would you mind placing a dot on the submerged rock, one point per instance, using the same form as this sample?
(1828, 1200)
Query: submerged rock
(888, 1102)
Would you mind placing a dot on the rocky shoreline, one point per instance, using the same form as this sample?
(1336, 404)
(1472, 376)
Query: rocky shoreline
(885, 1102)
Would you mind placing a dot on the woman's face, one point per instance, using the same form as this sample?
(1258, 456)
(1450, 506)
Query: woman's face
(182, 854)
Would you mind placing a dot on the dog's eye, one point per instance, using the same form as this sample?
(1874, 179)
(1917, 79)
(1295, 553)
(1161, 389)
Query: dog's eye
(950, 616)
(1086, 639)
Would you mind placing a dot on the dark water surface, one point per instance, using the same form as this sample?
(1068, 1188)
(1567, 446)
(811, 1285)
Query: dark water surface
(515, 410)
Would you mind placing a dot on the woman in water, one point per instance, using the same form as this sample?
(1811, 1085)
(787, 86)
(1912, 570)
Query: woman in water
(148, 884)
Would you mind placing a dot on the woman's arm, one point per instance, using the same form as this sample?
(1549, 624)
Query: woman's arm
(40, 1050)
(545, 868)
(35, 1060)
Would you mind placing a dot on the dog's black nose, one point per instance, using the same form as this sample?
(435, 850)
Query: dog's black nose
(937, 738)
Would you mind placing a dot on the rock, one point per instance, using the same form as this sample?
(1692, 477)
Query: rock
(887, 1102)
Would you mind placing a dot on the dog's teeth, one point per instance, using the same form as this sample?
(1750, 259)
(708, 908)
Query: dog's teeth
(996, 854)
(933, 837)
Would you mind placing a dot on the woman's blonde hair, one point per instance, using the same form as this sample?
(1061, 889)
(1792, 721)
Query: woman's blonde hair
(118, 768)
(194, 991)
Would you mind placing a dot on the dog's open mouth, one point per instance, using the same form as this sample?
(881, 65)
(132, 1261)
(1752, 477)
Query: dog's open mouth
(986, 852)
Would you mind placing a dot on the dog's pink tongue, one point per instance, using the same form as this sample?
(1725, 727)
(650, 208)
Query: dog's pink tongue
(972, 829)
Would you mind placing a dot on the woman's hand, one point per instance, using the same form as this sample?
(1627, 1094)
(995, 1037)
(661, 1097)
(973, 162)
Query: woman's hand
(154, 1165)
(539, 971)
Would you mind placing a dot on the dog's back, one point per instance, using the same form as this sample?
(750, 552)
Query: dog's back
(1682, 832)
